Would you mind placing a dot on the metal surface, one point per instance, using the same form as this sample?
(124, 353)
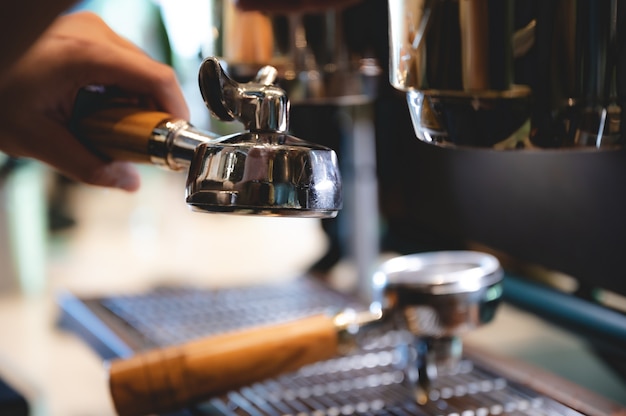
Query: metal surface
(369, 381)
(174, 142)
(510, 74)
(268, 174)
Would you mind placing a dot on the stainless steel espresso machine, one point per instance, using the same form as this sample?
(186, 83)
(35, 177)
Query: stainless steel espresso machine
(545, 77)
(499, 131)
(510, 75)
(530, 96)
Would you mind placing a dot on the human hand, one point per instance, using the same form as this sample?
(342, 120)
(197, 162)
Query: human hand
(39, 91)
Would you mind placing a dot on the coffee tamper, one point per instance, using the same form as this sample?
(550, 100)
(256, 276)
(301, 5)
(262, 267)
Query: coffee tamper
(437, 297)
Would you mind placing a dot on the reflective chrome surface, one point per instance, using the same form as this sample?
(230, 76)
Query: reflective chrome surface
(268, 174)
(510, 74)
(174, 142)
(438, 296)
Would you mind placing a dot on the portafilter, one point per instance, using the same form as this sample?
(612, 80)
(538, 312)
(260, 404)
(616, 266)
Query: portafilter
(262, 171)
(437, 296)
(434, 296)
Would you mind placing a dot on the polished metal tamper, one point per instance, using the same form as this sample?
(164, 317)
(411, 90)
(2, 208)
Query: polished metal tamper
(437, 297)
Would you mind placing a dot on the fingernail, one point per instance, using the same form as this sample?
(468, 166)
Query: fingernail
(123, 175)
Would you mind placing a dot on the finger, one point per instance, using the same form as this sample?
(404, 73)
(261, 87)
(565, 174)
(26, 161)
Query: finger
(120, 62)
(64, 153)
(141, 75)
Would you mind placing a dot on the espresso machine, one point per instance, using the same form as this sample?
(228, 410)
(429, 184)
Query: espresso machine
(545, 78)
(498, 131)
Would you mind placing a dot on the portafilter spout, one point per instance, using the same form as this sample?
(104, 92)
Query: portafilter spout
(262, 171)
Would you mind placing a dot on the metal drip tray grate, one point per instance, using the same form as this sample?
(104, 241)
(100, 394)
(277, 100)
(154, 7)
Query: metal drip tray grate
(370, 381)
(173, 315)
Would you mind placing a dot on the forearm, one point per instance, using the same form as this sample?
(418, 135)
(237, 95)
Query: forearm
(22, 22)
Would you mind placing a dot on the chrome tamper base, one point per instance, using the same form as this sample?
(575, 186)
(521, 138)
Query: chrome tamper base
(437, 296)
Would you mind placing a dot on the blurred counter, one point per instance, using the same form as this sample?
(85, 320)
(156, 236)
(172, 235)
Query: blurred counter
(129, 242)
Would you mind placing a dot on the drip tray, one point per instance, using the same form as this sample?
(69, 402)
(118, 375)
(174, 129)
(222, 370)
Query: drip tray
(369, 384)
(369, 381)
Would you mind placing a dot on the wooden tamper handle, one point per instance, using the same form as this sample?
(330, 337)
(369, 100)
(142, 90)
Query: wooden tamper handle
(172, 378)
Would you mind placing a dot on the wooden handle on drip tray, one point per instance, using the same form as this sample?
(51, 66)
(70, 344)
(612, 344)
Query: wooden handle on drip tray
(121, 133)
(163, 380)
